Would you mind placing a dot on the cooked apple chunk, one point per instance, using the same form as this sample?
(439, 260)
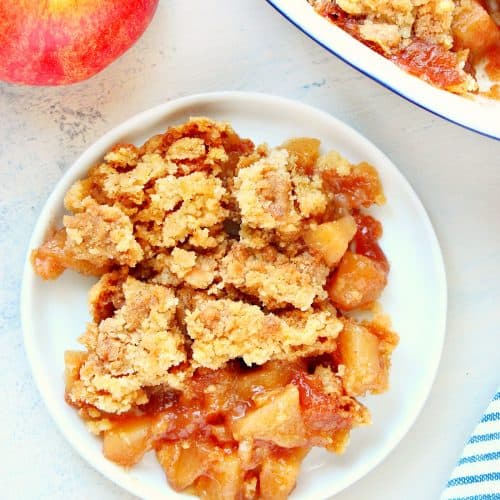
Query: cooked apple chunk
(277, 477)
(126, 443)
(223, 479)
(183, 462)
(358, 281)
(365, 356)
(279, 420)
(331, 239)
(305, 150)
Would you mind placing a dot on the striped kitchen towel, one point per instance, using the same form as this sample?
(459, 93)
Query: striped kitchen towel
(477, 473)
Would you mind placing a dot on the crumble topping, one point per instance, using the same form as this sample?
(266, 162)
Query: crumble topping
(183, 208)
(131, 349)
(101, 234)
(275, 278)
(265, 196)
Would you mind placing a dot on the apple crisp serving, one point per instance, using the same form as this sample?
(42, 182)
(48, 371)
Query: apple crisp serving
(443, 42)
(223, 332)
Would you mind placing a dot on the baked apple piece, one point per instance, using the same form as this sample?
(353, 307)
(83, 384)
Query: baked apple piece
(352, 186)
(223, 479)
(278, 476)
(473, 28)
(278, 420)
(364, 351)
(184, 461)
(305, 150)
(358, 282)
(361, 275)
(331, 239)
(127, 441)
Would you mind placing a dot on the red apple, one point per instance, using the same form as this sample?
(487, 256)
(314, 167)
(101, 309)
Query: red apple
(56, 42)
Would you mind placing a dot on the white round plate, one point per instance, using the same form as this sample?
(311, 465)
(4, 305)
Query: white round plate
(54, 313)
(475, 113)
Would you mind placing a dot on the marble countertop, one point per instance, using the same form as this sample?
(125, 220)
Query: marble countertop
(225, 45)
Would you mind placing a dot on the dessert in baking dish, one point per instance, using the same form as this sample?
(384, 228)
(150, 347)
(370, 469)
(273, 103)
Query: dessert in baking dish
(444, 42)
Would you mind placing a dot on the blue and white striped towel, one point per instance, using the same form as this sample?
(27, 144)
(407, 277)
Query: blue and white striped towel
(477, 473)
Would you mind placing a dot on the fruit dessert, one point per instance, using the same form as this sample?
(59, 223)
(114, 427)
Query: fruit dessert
(444, 42)
(223, 334)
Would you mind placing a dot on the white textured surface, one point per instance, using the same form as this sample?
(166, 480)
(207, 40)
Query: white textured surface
(219, 45)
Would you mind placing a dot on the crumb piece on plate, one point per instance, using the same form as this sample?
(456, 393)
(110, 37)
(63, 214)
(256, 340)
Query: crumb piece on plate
(224, 329)
(275, 278)
(133, 348)
(433, 20)
(182, 209)
(386, 36)
(92, 242)
(264, 192)
(103, 235)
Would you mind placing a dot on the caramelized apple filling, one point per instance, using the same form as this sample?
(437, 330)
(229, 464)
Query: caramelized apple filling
(219, 338)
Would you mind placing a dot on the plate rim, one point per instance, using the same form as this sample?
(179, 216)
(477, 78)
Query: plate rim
(276, 4)
(142, 120)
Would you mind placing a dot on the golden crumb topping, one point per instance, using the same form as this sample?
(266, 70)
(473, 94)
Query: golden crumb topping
(102, 234)
(275, 278)
(264, 192)
(183, 208)
(224, 329)
(133, 348)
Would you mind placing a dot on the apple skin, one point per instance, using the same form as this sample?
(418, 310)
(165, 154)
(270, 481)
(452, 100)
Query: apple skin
(57, 42)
